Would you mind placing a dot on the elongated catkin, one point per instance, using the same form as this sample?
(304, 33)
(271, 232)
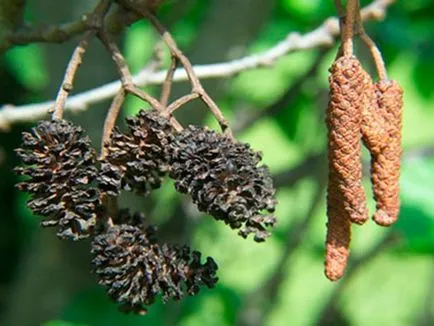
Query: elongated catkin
(348, 83)
(375, 135)
(346, 201)
(385, 166)
(338, 234)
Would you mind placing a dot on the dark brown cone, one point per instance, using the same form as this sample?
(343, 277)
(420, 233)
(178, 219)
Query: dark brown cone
(59, 166)
(225, 180)
(136, 270)
(385, 167)
(338, 234)
(136, 160)
(348, 85)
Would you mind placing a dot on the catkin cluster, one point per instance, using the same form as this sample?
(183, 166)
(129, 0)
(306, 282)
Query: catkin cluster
(360, 111)
(74, 192)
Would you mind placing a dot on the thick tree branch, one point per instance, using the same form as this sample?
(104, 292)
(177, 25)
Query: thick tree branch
(11, 17)
(322, 36)
(45, 33)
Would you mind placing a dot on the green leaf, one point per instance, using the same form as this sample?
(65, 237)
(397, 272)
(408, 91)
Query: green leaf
(138, 46)
(423, 72)
(416, 220)
(214, 307)
(61, 323)
(27, 65)
(302, 7)
(93, 307)
(269, 139)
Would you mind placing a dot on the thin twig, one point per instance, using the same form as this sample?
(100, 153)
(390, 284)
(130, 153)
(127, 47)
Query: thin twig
(110, 120)
(95, 22)
(194, 80)
(348, 30)
(166, 88)
(147, 98)
(68, 79)
(370, 44)
(341, 14)
(322, 36)
(43, 33)
(126, 78)
(121, 65)
(376, 55)
(141, 94)
(181, 102)
(124, 72)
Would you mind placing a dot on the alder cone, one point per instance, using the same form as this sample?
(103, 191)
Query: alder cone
(60, 165)
(135, 269)
(224, 180)
(137, 160)
(348, 85)
(385, 165)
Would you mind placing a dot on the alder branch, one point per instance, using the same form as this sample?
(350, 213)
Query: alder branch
(46, 33)
(196, 85)
(96, 19)
(11, 17)
(322, 36)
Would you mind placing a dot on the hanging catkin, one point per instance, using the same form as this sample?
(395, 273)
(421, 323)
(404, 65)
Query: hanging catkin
(346, 200)
(348, 84)
(338, 233)
(385, 166)
(375, 135)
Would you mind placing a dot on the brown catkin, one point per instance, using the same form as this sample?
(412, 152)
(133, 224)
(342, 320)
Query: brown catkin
(348, 84)
(338, 234)
(375, 135)
(385, 166)
(346, 201)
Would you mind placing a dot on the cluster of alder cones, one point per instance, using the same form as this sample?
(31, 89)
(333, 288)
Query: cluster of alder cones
(360, 111)
(74, 192)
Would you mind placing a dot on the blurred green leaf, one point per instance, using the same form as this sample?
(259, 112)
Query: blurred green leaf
(217, 307)
(61, 323)
(139, 45)
(417, 181)
(27, 65)
(269, 139)
(416, 220)
(423, 72)
(94, 308)
(388, 291)
(302, 8)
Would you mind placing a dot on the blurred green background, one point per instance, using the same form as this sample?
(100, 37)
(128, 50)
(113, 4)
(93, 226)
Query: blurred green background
(390, 279)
